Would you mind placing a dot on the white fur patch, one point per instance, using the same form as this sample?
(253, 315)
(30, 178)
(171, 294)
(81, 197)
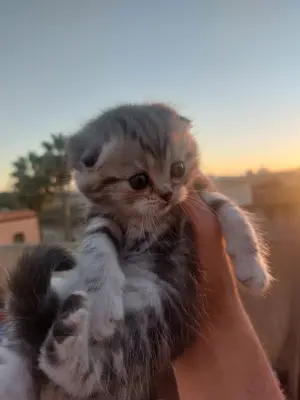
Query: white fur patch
(99, 260)
(244, 247)
(141, 290)
(106, 150)
(16, 382)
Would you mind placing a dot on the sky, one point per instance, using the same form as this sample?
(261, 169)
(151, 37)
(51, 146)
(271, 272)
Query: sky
(232, 66)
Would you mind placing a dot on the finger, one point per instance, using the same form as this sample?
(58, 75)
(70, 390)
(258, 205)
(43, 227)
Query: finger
(203, 220)
(210, 250)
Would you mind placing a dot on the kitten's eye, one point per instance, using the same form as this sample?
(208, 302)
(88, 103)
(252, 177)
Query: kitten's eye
(139, 181)
(177, 169)
(89, 159)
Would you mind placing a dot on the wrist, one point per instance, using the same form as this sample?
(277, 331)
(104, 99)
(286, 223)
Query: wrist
(226, 362)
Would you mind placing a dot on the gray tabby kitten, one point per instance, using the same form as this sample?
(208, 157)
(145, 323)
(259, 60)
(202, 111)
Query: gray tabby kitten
(131, 303)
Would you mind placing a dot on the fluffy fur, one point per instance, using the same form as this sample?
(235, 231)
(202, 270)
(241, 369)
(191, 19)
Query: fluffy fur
(131, 303)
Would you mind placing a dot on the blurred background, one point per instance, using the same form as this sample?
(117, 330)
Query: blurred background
(231, 66)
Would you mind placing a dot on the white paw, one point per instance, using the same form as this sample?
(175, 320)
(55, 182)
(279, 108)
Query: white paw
(252, 271)
(74, 320)
(67, 331)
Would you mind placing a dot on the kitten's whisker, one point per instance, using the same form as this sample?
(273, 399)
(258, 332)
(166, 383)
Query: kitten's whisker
(195, 204)
(191, 200)
(155, 228)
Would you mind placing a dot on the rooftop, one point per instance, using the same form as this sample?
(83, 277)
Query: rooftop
(6, 216)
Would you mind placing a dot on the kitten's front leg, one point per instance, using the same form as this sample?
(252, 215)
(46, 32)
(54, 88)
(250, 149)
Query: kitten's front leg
(64, 356)
(245, 248)
(103, 277)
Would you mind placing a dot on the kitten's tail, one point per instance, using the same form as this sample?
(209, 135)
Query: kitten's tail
(32, 303)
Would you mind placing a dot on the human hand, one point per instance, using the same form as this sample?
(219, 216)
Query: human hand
(227, 361)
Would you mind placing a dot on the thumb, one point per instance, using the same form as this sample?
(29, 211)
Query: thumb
(218, 283)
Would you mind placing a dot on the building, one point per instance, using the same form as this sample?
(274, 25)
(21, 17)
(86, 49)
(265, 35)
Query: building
(280, 190)
(268, 191)
(275, 199)
(19, 226)
(236, 188)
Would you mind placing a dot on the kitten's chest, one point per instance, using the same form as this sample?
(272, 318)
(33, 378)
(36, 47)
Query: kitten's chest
(141, 237)
(163, 268)
(171, 247)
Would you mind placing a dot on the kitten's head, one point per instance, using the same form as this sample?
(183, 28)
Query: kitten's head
(135, 160)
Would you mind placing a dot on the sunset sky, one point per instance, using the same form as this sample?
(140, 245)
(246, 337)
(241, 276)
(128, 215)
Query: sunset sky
(232, 66)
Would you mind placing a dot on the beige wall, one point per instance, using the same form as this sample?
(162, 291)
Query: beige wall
(29, 227)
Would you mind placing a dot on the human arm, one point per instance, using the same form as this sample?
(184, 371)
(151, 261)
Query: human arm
(227, 361)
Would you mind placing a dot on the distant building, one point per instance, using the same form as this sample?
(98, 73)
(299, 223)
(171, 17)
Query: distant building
(19, 226)
(264, 190)
(273, 196)
(236, 188)
(280, 189)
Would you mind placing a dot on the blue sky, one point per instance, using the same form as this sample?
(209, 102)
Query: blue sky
(231, 65)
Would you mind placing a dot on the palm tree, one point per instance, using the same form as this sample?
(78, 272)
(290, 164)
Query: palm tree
(31, 185)
(9, 201)
(55, 166)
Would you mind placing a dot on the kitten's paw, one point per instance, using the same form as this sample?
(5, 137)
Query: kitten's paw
(73, 303)
(70, 328)
(252, 272)
(73, 319)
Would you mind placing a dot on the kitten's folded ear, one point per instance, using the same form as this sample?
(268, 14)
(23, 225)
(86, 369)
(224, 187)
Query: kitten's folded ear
(185, 120)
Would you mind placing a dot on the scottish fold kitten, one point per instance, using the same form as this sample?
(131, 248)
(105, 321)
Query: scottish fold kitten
(131, 302)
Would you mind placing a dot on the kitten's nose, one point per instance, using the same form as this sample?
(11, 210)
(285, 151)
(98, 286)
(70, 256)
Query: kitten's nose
(167, 195)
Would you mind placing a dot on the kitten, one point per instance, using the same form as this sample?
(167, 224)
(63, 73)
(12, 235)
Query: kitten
(131, 304)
